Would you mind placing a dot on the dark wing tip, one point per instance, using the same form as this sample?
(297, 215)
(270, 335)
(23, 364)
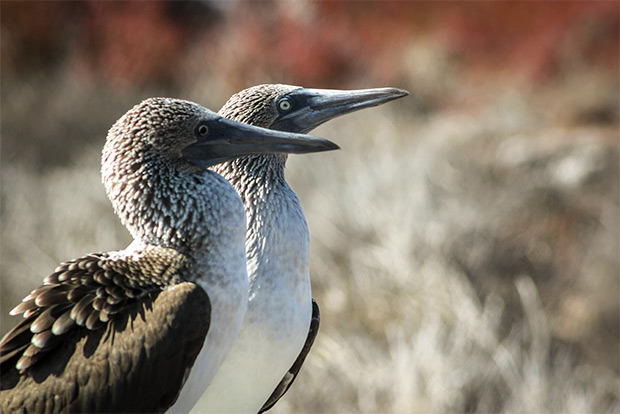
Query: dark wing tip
(290, 376)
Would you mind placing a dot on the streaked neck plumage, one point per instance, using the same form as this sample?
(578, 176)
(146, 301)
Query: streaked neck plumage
(279, 303)
(277, 240)
(164, 201)
(167, 202)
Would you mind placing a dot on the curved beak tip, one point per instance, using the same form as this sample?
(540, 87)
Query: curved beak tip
(395, 93)
(321, 145)
(402, 92)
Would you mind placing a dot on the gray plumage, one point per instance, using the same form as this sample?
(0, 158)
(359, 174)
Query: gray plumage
(121, 331)
(170, 214)
(282, 319)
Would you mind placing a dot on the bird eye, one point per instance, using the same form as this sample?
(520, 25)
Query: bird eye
(202, 130)
(284, 105)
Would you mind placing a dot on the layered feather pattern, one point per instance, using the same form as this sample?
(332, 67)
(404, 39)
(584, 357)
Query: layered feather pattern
(86, 292)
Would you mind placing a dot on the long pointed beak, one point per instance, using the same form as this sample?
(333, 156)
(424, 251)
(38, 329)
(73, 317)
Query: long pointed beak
(312, 107)
(227, 140)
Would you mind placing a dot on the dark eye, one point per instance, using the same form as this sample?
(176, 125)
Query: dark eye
(202, 130)
(284, 105)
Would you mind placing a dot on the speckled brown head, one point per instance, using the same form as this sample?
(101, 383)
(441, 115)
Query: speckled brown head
(297, 109)
(154, 165)
(293, 109)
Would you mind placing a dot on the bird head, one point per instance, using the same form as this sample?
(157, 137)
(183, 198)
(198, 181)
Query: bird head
(297, 109)
(155, 159)
(185, 134)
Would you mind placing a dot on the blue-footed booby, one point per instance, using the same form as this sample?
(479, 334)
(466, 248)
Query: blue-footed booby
(145, 329)
(282, 319)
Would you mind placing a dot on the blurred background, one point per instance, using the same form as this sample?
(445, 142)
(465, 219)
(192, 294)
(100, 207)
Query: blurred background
(465, 241)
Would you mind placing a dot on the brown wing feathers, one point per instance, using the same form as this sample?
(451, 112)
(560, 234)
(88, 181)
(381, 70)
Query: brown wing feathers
(85, 292)
(123, 333)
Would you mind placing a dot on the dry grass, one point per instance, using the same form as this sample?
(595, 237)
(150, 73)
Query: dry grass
(407, 327)
(463, 261)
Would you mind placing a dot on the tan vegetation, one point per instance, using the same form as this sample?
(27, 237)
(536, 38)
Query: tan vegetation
(465, 241)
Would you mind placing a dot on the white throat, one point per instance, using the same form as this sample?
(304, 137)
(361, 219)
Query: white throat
(277, 321)
(222, 273)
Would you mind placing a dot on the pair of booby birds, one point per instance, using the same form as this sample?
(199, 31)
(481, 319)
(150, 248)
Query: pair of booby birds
(151, 327)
